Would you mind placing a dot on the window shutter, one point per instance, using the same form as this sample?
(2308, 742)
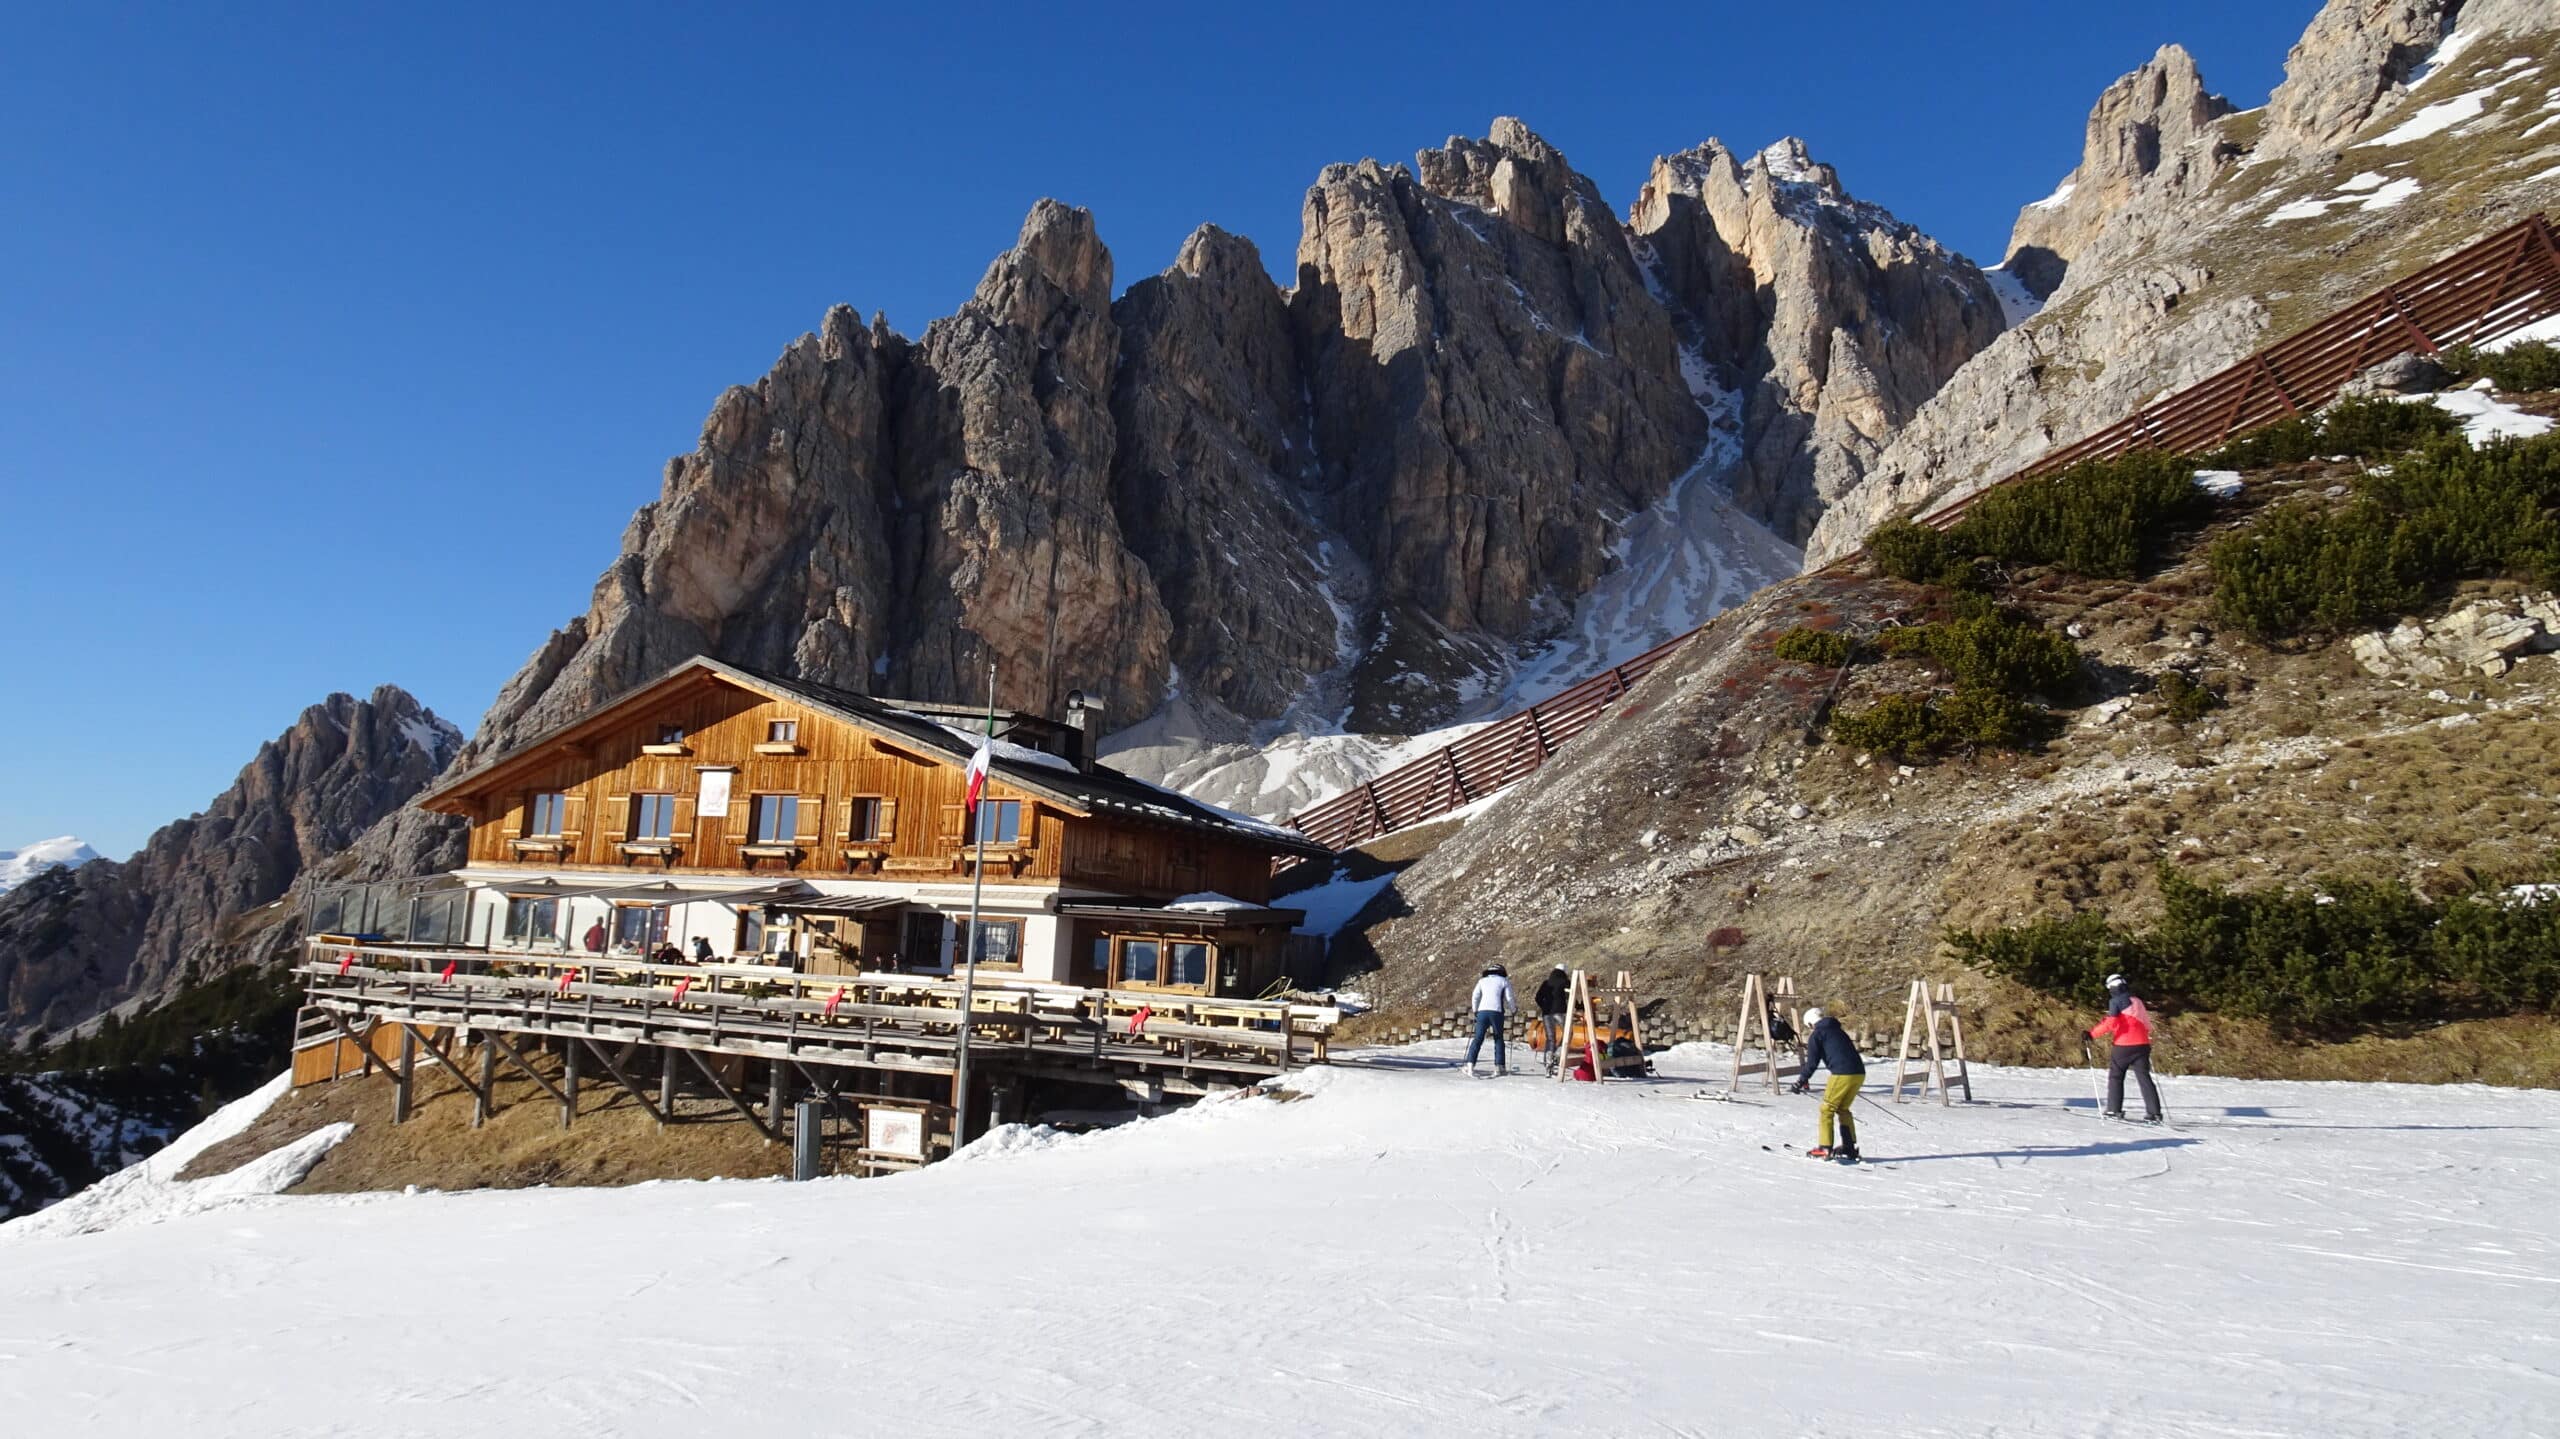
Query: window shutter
(955, 821)
(512, 816)
(812, 820)
(617, 817)
(573, 816)
(888, 821)
(684, 819)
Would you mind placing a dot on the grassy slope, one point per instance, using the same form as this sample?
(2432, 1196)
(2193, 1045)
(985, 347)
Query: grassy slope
(2314, 767)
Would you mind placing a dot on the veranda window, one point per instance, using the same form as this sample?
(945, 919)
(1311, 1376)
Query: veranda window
(999, 941)
(532, 920)
(639, 927)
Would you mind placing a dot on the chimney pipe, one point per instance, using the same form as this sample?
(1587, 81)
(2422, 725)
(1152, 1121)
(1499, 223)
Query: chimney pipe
(1079, 735)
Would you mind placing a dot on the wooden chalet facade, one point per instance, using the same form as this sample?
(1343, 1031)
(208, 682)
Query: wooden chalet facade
(783, 823)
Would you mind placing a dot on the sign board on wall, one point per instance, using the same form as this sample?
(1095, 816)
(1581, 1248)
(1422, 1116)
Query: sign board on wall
(895, 1132)
(715, 793)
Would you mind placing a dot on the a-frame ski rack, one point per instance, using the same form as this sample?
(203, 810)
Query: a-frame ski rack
(1582, 1008)
(1933, 1006)
(1757, 1001)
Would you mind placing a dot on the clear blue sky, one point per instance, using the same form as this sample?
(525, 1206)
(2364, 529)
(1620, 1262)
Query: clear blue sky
(337, 349)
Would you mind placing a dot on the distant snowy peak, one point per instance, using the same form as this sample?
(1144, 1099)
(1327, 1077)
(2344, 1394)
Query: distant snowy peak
(17, 866)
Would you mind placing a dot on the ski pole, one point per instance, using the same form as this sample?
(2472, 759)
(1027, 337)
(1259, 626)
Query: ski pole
(2097, 1094)
(1887, 1113)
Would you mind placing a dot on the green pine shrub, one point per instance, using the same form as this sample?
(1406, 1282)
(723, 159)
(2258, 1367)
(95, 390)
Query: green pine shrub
(1990, 649)
(1901, 725)
(2108, 519)
(2447, 513)
(2534, 366)
(2332, 959)
(1908, 550)
(1809, 646)
(2185, 700)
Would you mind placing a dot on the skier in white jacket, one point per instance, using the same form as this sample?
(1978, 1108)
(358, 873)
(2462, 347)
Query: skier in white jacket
(1493, 1004)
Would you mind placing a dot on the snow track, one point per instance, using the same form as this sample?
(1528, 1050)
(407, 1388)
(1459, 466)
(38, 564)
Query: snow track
(1403, 1251)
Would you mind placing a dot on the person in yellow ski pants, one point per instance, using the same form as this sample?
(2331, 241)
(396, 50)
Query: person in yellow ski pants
(1826, 1043)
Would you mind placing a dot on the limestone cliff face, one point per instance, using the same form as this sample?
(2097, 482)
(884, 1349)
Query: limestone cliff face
(1211, 480)
(2151, 141)
(1494, 388)
(2192, 234)
(1839, 319)
(1355, 500)
(74, 942)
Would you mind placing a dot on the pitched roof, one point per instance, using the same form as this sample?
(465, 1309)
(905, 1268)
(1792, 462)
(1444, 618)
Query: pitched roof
(1095, 789)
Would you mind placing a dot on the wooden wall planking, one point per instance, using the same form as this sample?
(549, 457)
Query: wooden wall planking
(838, 764)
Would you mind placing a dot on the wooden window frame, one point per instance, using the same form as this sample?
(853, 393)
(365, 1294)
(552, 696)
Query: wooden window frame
(876, 833)
(1114, 977)
(533, 831)
(755, 838)
(667, 813)
(1025, 821)
(663, 745)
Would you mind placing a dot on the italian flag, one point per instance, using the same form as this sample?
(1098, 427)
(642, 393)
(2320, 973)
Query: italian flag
(978, 771)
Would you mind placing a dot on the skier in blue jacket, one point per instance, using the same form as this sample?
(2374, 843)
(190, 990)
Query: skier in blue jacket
(1825, 1042)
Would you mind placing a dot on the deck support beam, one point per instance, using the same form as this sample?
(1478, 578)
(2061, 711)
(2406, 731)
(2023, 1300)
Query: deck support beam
(516, 1057)
(731, 1095)
(479, 1093)
(637, 1094)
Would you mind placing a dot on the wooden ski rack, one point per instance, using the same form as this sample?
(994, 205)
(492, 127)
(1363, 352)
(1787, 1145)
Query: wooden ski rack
(1585, 1035)
(1758, 999)
(1935, 1007)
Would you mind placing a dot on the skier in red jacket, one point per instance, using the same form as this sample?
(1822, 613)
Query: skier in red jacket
(2128, 1027)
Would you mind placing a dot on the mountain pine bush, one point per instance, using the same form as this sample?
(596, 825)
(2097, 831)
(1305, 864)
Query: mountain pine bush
(2331, 959)
(2534, 366)
(2108, 519)
(1809, 646)
(2445, 514)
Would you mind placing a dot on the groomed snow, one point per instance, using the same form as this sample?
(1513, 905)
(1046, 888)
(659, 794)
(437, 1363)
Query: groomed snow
(1404, 1252)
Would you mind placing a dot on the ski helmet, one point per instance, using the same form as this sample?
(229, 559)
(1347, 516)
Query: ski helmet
(1494, 969)
(2115, 981)
(1560, 969)
(1812, 1017)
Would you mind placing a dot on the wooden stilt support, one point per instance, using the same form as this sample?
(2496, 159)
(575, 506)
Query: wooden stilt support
(408, 1075)
(488, 1079)
(775, 1083)
(569, 1083)
(614, 1068)
(731, 1095)
(666, 1085)
(479, 1092)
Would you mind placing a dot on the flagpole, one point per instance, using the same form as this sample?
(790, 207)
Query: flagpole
(970, 943)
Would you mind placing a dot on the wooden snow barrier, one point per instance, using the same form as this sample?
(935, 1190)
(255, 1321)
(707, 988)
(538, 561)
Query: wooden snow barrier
(1758, 1000)
(1935, 1007)
(1586, 1035)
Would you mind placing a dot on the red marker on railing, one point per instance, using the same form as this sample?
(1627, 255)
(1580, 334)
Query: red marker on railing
(567, 978)
(681, 986)
(1138, 1021)
(447, 976)
(348, 959)
(833, 1000)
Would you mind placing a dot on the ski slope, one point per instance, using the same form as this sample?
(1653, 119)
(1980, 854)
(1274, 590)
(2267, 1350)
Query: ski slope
(1402, 1251)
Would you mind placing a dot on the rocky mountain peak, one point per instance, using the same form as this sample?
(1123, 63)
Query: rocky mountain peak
(1787, 162)
(2150, 141)
(2354, 57)
(79, 940)
(1832, 319)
